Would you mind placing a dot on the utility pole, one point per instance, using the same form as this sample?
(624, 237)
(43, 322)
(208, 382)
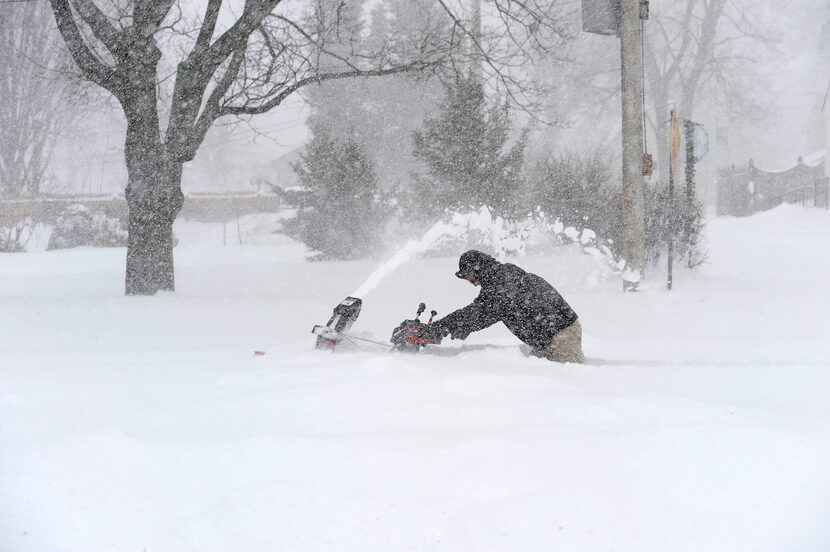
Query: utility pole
(633, 247)
(624, 18)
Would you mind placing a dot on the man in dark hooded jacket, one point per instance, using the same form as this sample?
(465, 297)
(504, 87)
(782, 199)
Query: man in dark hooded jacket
(530, 307)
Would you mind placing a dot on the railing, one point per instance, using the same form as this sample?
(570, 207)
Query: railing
(821, 192)
(743, 191)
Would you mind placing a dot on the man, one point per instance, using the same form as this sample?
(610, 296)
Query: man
(529, 306)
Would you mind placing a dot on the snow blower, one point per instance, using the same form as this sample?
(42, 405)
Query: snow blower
(408, 336)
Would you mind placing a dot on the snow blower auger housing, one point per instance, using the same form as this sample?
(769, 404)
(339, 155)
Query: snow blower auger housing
(407, 337)
(344, 315)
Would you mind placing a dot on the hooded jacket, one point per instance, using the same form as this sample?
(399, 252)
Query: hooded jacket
(528, 305)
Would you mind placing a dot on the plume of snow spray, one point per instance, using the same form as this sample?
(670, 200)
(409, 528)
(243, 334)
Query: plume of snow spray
(412, 248)
(500, 236)
(460, 225)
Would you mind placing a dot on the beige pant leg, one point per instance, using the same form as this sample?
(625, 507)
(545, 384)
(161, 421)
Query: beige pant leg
(566, 346)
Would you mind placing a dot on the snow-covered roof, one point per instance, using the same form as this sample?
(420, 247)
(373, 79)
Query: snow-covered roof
(811, 160)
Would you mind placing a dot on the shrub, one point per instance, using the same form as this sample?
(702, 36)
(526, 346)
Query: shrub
(580, 191)
(13, 239)
(77, 226)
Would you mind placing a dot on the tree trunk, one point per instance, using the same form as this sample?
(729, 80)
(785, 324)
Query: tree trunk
(154, 195)
(154, 199)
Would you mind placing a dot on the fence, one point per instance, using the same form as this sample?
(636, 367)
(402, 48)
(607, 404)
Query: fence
(201, 207)
(743, 191)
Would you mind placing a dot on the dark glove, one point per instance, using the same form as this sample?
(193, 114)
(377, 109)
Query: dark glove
(434, 332)
(449, 326)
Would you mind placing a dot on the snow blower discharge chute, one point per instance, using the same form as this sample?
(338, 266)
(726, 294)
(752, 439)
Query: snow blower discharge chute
(408, 336)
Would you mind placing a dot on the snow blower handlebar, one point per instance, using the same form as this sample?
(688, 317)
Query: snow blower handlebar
(412, 335)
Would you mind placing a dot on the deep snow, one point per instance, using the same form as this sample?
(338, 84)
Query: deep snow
(700, 422)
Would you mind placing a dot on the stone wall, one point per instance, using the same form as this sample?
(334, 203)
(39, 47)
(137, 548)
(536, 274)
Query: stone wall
(198, 207)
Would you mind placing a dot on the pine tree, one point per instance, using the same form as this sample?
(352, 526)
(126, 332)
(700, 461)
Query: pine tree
(341, 215)
(464, 151)
(382, 113)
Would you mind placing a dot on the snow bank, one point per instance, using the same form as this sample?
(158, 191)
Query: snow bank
(700, 421)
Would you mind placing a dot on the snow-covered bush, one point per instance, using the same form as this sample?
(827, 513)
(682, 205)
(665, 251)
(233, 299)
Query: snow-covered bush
(577, 190)
(13, 238)
(587, 239)
(678, 220)
(581, 192)
(481, 230)
(78, 226)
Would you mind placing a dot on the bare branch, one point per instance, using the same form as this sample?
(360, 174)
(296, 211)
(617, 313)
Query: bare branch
(148, 15)
(279, 98)
(38, 102)
(100, 25)
(209, 59)
(91, 67)
(212, 107)
(208, 25)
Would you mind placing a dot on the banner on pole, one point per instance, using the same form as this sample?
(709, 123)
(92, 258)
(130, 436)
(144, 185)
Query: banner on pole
(675, 142)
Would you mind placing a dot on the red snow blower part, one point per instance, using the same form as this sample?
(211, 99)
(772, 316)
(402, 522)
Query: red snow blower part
(408, 336)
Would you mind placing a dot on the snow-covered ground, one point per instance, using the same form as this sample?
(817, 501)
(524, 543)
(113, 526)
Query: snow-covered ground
(701, 421)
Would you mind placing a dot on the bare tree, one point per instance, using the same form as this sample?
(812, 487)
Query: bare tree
(35, 98)
(700, 55)
(268, 52)
(697, 43)
(504, 39)
(248, 68)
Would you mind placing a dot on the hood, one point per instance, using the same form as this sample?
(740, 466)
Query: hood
(475, 265)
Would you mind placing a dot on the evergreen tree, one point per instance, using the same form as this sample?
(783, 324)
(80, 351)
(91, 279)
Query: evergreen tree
(464, 151)
(341, 215)
(337, 105)
(381, 113)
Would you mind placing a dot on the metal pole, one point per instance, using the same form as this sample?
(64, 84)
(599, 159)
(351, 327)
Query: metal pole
(633, 246)
(689, 131)
(238, 230)
(670, 230)
(671, 211)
